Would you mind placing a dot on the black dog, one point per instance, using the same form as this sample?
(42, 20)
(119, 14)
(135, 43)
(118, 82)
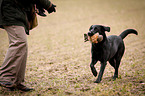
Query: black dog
(109, 48)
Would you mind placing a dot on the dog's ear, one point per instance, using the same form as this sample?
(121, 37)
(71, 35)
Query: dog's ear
(90, 27)
(107, 29)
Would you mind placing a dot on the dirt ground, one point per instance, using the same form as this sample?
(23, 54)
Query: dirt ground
(59, 59)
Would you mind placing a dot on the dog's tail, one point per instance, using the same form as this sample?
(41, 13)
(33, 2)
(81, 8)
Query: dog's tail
(126, 32)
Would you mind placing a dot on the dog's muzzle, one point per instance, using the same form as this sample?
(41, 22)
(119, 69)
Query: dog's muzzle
(94, 38)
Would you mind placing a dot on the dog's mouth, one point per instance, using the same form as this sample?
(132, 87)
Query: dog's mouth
(96, 38)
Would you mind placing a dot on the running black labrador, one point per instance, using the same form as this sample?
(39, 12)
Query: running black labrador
(105, 48)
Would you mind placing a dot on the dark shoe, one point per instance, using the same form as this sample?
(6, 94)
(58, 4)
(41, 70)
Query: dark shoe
(23, 88)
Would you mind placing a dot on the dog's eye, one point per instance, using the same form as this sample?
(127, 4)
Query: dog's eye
(96, 29)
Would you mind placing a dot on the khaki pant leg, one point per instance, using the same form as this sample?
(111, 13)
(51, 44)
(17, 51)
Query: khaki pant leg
(13, 67)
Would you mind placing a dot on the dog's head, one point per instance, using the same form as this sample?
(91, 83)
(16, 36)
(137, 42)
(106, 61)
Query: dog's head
(96, 33)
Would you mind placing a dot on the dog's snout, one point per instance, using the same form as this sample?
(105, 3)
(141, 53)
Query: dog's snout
(90, 33)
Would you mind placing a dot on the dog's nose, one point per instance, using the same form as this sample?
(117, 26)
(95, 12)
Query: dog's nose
(90, 33)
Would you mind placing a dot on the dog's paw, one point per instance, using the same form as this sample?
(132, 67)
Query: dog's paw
(97, 81)
(115, 77)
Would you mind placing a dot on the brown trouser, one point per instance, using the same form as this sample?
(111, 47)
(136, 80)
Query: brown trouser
(13, 67)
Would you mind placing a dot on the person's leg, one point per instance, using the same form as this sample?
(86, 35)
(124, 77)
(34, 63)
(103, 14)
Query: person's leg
(13, 67)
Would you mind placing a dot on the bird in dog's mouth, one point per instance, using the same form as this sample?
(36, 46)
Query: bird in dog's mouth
(96, 38)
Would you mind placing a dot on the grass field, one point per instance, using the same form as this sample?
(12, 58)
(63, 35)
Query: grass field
(59, 60)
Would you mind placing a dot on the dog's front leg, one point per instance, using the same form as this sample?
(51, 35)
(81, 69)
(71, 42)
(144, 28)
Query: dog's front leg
(93, 69)
(103, 65)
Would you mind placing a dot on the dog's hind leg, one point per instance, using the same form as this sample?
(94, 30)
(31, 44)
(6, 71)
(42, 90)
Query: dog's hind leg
(116, 69)
(93, 69)
(103, 65)
(112, 62)
(118, 60)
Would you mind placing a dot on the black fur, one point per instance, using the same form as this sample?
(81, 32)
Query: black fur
(110, 49)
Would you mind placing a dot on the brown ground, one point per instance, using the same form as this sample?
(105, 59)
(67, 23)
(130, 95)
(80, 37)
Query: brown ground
(58, 61)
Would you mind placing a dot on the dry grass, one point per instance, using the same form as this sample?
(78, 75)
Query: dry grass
(58, 61)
